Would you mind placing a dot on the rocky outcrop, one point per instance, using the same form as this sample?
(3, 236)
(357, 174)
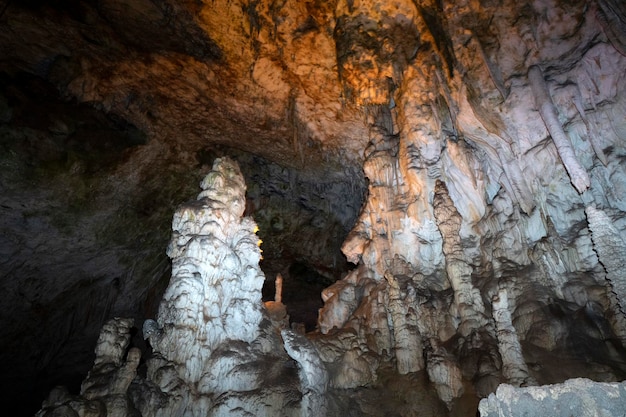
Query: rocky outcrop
(575, 397)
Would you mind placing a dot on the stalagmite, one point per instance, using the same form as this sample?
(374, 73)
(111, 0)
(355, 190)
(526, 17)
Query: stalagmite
(312, 372)
(278, 296)
(407, 339)
(578, 174)
(105, 390)
(466, 296)
(214, 295)
(514, 367)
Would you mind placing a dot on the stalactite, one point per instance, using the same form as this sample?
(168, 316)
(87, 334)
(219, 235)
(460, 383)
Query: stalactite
(492, 69)
(547, 109)
(443, 372)
(591, 132)
(515, 178)
(612, 16)
(514, 367)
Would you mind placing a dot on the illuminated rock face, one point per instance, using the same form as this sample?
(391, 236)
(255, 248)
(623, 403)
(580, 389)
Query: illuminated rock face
(214, 295)
(489, 154)
(209, 328)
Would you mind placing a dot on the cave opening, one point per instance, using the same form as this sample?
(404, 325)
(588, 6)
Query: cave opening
(303, 220)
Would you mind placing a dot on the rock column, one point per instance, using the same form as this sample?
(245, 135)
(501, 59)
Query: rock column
(514, 367)
(467, 298)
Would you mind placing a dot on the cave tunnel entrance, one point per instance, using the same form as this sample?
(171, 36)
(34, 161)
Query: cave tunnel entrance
(303, 218)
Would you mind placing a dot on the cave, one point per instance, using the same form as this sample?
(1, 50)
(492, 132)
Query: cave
(312, 208)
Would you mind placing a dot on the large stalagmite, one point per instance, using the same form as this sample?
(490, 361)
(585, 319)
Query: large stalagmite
(215, 352)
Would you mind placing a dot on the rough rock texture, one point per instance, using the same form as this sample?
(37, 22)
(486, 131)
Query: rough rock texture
(86, 212)
(216, 278)
(514, 367)
(484, 152)
(214, 351)
(575, 397)
(104, 390)
(492, 136)
(312, 371)
(209, 326)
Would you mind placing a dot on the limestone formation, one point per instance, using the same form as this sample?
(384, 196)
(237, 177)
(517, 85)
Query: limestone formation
(444, 373)
(408, 349)
(466, 157)
(611, 249)
(104, 392)
(463, 192)
(312, 372)
(214, 294)
(468, 300)
(577, 173)
(212, 343)
(514, 367)
(575, 397)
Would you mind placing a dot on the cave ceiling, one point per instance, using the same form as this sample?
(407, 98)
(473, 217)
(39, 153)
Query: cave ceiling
(196, 72)
(483, 140)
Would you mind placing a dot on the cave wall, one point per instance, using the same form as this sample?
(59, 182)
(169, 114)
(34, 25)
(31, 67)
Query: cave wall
(491, 154)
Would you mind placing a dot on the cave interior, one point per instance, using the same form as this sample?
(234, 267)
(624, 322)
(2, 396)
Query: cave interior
(439, 189)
